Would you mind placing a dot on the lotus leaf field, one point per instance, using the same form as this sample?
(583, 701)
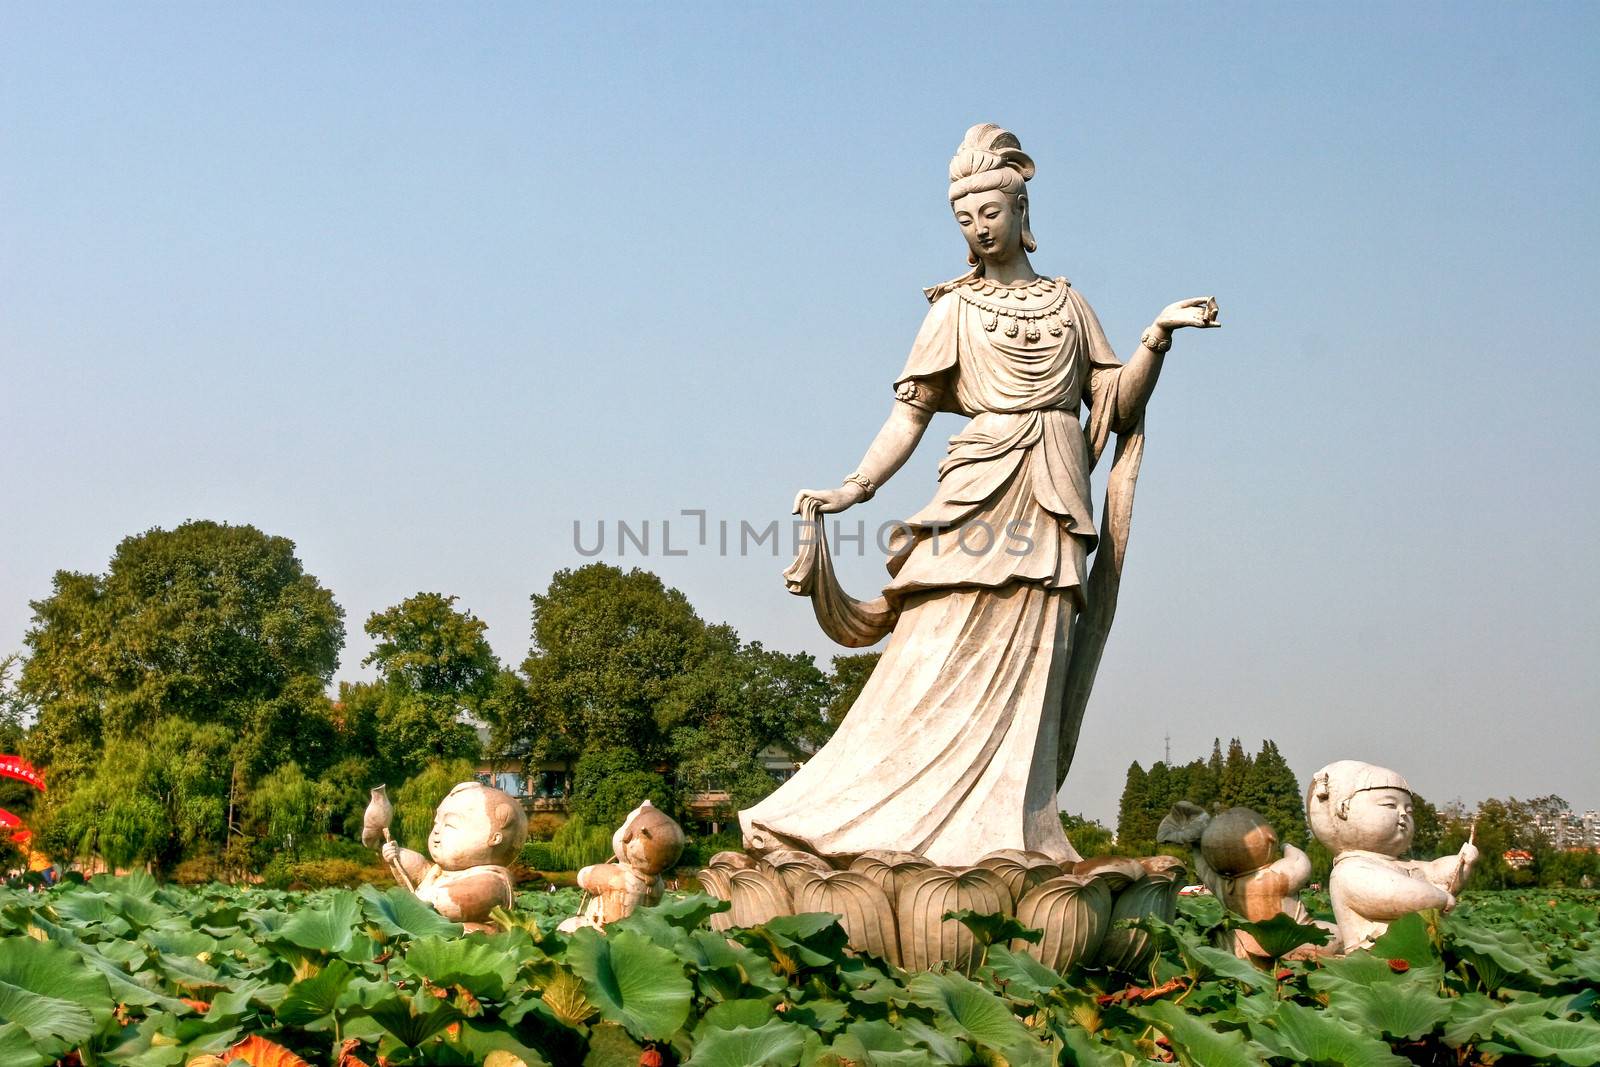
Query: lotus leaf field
(125, 971)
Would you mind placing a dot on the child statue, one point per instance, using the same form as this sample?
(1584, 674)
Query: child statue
(1237, 856)
(1362, 814)
(477, 833)
(647, 843)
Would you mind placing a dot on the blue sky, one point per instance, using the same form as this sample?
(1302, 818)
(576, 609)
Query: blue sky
(419, 287)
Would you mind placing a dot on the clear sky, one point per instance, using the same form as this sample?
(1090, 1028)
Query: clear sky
(420, 286)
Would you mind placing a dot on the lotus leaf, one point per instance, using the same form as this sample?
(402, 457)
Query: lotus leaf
(50, 993)
(966, 1009)
(634, 983)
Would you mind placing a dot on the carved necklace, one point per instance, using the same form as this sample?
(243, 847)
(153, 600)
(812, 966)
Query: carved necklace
(1010, 302)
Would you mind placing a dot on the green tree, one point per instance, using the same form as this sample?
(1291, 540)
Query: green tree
(399, 731)
(206, 623)
(1235, 773)
(13, 705)
(1215, 763)
(1088, 836)
(734, 702)
(1199, 784)
(151, 799)
(849, 677)
(622, 667)
(608, 648)
(1134, 828)
(424, 645)
(1428, 828)
(290, 809)
(609, 783)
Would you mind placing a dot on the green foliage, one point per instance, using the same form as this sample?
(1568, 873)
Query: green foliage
(206, 623)
(291, 807)
(576, 844)
(1272, 791)
(151, 799)
(1088, 836)
(425, 645)
(609, 783)
(622, 664)
(311, 971)
(849, 677)
(399, 730)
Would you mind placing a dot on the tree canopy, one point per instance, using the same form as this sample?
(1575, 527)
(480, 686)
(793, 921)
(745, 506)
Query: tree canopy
(205, 623)
(622, 663)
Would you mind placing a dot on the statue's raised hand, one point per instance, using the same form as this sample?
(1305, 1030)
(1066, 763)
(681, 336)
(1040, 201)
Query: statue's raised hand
(828, 501)
(1199, 312)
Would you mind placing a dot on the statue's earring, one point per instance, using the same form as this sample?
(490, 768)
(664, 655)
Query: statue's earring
(972, 258)
(1028, 243)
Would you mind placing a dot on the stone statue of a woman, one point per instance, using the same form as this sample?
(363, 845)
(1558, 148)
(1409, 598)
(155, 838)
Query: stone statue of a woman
(957, 744)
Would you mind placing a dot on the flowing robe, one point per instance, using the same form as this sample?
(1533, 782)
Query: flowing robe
(951, 749)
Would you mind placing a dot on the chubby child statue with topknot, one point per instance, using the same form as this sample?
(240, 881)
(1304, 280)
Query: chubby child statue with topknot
(477, 832)
(648, 842)
(1362, 813)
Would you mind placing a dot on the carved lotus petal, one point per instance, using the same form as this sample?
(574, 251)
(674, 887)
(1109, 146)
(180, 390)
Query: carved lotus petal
(718, 881)
(758, 896)
(732, 861)
(1118, 871)
(1164, 865)
(1021, 870)
(1026, 856)
(862, 906)
(1130, 949)
(889, 868)
(793, 866)
(1074, 914)
(925, 938)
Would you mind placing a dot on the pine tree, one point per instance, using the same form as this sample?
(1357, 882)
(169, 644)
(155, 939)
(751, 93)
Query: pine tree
(1235, 772)
(1132, 814)
(1200, 784)
(1161, 795)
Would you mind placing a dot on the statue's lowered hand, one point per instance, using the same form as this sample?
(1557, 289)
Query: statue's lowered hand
(828, 501)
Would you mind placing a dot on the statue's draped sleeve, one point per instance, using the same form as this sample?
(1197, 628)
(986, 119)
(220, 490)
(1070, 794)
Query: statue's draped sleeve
(1105, 578)
(925, 381)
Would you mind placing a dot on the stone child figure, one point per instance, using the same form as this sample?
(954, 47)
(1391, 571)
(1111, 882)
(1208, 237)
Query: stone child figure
(647, 843)
(1237, 856)
(1362, 814)
(477, 832)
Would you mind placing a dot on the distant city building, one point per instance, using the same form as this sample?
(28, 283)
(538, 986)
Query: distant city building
(1570, 830)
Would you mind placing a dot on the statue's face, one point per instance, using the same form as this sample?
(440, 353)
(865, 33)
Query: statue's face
(461, 836)
(991, 222)
(1379, 820)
